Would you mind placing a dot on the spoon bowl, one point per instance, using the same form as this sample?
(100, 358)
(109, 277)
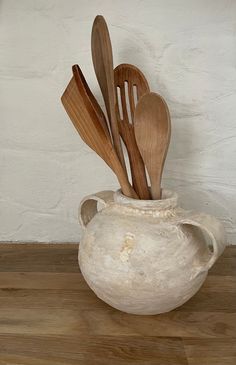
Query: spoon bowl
(152, 128)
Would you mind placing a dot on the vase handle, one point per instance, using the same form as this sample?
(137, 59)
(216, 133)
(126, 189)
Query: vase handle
(88, 206)
(214, 230)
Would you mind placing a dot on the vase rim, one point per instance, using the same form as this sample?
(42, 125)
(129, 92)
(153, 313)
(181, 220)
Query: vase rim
(169, 200)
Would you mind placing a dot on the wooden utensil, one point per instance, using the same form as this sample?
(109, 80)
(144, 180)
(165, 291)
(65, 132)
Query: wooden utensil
(131, 85)
(152, 131)
(83, 86)
(103, 66)
(79, 108)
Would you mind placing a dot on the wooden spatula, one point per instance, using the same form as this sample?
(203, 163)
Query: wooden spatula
(152, 131)
(103, 66)
(131, 84)
(83, 86)
(82, 114)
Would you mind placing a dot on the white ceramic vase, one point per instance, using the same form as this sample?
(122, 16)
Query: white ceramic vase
(146, 256)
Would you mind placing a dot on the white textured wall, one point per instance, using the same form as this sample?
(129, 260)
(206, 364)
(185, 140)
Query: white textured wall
(186, 48)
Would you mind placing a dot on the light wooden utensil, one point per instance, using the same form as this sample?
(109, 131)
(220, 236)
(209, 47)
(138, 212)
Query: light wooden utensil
(152, 131)
(82, 114)
(103, 66)
(131, 85)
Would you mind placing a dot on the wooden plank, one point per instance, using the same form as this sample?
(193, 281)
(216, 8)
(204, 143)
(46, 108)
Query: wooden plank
(219, 284)
(43, 280)
(225, 266)
(74, 281)
(230, 251)
(213, 301)
(39, 258)
(88, 349)
(210, 351)
(49, 298)
(223, 360)
(105, 321)
(42, 322)
(81, 299)
(38, 245)
(31, 359)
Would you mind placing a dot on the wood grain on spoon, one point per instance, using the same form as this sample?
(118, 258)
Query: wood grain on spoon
(103, 66)
(130, 85)
(84, 117)
(152, 131)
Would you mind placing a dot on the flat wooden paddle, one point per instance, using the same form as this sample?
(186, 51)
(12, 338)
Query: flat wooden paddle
(103, 66)
(84, 117)
(131, 85)
(152, 131)
(83, 86)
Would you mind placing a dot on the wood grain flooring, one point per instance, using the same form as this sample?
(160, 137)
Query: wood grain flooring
(49, 316)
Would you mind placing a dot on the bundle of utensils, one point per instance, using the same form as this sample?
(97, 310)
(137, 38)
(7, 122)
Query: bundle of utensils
(134, 114)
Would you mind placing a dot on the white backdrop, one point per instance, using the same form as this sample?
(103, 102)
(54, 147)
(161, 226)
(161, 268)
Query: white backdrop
(186, 49)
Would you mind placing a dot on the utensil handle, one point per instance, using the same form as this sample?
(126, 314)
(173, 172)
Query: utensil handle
(214, 230)
(155, 181)
(121, 175)
(126, 187)
(89, 205)
(137, 167)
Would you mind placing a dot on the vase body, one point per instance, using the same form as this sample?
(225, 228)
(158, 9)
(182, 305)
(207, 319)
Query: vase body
(146, 257)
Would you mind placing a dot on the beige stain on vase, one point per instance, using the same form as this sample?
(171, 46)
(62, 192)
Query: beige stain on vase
(127, 247)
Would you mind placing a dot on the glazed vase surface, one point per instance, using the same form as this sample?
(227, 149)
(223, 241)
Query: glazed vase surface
(146, 256)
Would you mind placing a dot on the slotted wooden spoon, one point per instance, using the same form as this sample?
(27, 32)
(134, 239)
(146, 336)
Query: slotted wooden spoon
(84, 117)
(131, 85)
(103, 66)
(152, 131)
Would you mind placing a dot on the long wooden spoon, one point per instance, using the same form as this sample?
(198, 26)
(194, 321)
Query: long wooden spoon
(103, 66)
(82, 114)
(152, 131)
(131, 84)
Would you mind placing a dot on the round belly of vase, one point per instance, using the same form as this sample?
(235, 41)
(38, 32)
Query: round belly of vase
(137, 272)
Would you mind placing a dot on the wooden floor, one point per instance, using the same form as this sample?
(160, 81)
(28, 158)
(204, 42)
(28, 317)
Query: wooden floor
(49, 316)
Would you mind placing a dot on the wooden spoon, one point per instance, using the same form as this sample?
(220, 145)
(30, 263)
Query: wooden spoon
(79, 108)
(103, 66)
(152, 131)
(131, 84)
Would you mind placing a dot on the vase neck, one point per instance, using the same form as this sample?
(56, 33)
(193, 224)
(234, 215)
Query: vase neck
(169, 201)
